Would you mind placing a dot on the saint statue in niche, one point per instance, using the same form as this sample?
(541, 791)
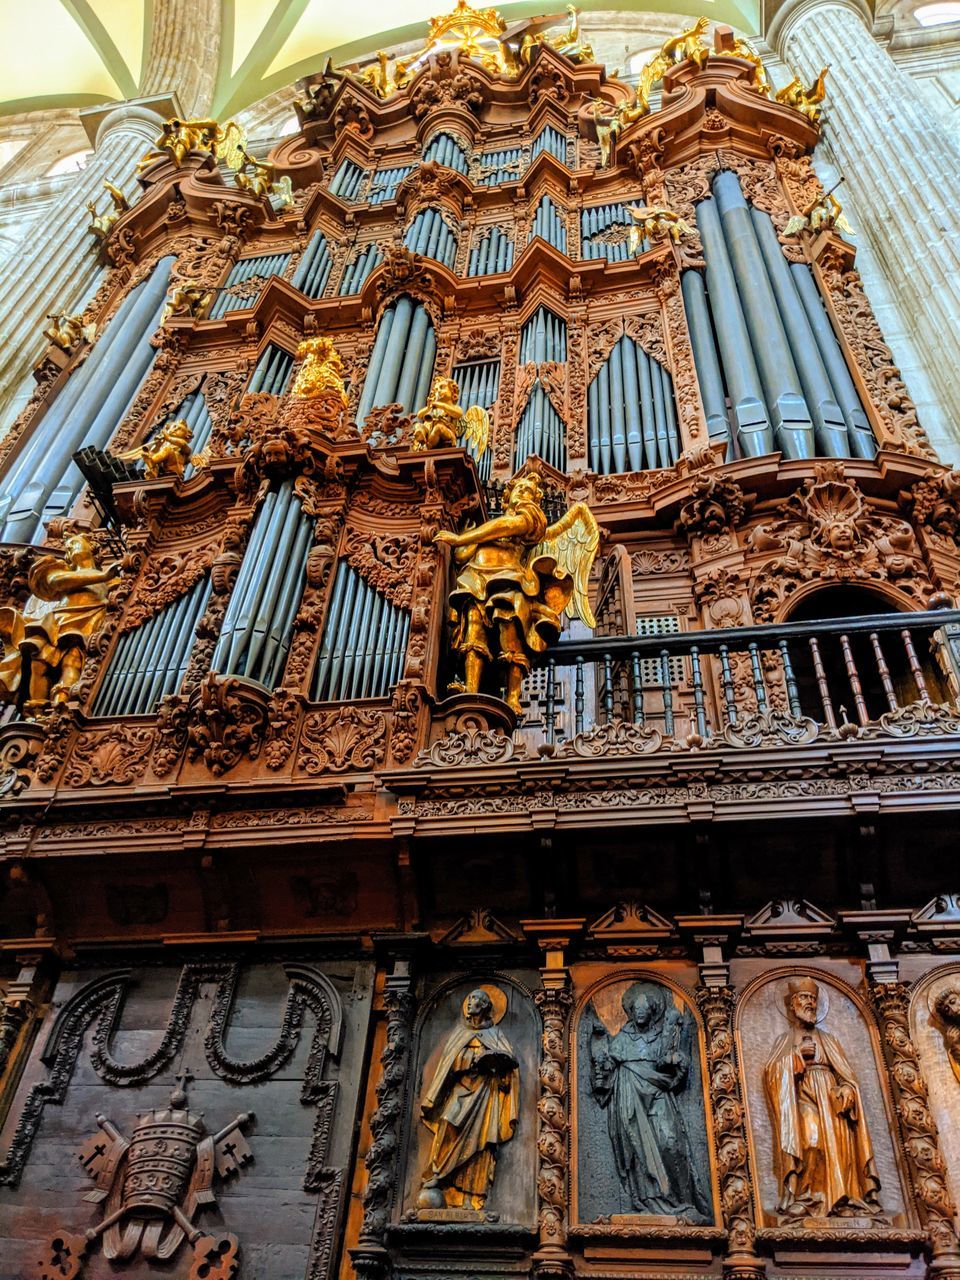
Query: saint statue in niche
(638, 1076)
(825, 1164)
(945, 1007)
(471, 1105)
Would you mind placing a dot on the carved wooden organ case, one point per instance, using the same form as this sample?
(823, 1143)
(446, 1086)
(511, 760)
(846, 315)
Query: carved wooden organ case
(262, 767)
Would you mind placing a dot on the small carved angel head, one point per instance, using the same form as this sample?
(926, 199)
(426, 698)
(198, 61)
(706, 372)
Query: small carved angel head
(946, 1006)
(444, 389)
(525, 489)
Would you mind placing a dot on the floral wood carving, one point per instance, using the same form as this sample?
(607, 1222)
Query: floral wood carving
(828, 532)
(408, 700)
(227, 722)
(470, 746)
(615, 738)
(165, 579)
(934, 502)
(716, 505)
(721, 595)
(771, 729)
(730, 1134)
(554, 1006)
(921, 1138)
(348, 738)
(117, 756)
(874, 358)
(171, 741)
(283, 717)
(385, 560)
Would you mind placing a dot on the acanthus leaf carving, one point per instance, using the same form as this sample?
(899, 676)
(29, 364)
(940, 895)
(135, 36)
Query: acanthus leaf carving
(227, 722)
(347, 738)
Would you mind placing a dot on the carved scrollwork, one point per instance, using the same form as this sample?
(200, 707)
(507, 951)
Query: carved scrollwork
(385, 560)
(348, 738)
(118, 755)
(227, 721)
(554, 1006)
(716, 505)
(381, 1157)
(470, 745)
(771, 729)
(616, 738)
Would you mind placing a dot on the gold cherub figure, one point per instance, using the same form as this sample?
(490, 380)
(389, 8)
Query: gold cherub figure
(441, 421)
(610, 120)
(45, 643)
(806, 101)
(66, 331)
(321, 371)
(186, 299)
(651, 222)
(687, 44)
(167, 453)
(518, 576)
(260, 178)
(570, 42)
(179, 137)
(823, 214)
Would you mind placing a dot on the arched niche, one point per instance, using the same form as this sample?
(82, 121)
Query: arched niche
(511, 1199)
(828, 602)
(675, 1129)
(761, 1022)
(931, 1024)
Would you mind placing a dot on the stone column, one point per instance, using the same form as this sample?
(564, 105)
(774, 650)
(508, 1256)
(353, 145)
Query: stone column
(901, 166)
(58, 265)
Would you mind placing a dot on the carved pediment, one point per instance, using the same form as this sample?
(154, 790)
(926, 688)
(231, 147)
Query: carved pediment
(630, 922)
(479, 927)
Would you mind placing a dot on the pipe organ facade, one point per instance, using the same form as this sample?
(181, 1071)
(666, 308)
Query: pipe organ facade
(480, 677)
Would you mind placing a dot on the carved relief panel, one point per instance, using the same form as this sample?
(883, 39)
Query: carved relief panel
(471, 1140)
(819, 1112)
(160, 1118)
(641, 1152)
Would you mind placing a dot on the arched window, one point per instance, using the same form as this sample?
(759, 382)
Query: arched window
(934, 15)
(74, 162)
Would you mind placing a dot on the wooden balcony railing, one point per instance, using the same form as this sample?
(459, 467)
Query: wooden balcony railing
(893, 674)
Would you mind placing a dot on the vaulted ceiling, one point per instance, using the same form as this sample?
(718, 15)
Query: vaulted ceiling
(57, 53)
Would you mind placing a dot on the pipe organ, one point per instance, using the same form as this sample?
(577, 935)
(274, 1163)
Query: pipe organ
(316, 774)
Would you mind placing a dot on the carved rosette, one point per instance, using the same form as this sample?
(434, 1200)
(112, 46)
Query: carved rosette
(730, 1133)
(921, 1139)
(551, 1257)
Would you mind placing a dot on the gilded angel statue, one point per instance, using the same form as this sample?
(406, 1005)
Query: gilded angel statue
(441, 422)
(260, 179)
(167, 453)
(517, 577)
(179, 137)
(824, 214)
(321, 371)
(652, 222)
(806, 101)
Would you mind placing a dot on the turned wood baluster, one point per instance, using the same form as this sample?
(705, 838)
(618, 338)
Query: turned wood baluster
(852, 675)
(915, 669)
(884, 670)
(822, 685)
(729, 700)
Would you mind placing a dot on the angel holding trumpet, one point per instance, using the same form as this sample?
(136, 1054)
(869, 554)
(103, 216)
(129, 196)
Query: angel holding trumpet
(517, 577)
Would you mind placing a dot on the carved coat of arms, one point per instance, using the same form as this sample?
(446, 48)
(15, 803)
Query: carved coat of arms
(151, 1186)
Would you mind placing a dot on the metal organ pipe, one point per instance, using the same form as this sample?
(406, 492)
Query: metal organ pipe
(704, 346)
(363, 643)
(754, 432)
(401, 363)
(631, 419)
(792, 423)
(150, 661)
(313, 269)
(44, 482)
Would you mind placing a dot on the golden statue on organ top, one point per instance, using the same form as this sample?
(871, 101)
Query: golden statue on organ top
(441, 421)
(518, 576)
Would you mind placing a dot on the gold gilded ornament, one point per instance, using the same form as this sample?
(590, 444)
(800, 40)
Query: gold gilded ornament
(321, 371)
(806, 101)
(66, 331)
(471, 1106)
(653, 222)
(441, 421)
(152, 1185)
(186, 300)
(570, 42)
(686, 45)
(824, 1156)
(823, 214)
(179, 137)
(44, 644)
(167, 453)
(518, 576)
(609, 121)
(740, 48)
(261, 179)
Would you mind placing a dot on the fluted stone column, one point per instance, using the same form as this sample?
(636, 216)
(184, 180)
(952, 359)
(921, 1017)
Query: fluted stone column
(902, 169)
(58, 265)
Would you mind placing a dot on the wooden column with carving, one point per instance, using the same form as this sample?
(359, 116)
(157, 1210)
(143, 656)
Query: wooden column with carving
(370, 1258)
(921, 1140)
(552, 1258)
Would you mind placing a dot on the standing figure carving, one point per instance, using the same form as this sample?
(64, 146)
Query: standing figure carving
(945, 1008)
(471, 1105)
(825, 1162)
(638, 1077)
(518, 577)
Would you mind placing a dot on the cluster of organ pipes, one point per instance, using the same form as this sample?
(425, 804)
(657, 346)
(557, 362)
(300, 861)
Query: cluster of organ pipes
(44, 481)
(230, 298)
(446, 150)
(631, 417)
(428, 234)
(401, 362)
(363, 644)
(256, 628)
(359, 268)
(313, 269)
(272, 372)
(548, 225)
(151, 660)
(384, 183)
(492, 253)
(763, 343)
(598, 220)
(540, 430)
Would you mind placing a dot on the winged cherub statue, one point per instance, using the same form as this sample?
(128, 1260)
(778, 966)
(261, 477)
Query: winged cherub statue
(442, 421)
(518, 576)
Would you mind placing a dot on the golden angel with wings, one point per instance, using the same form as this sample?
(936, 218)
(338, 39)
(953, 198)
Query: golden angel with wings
(441, 422)
(517, 577)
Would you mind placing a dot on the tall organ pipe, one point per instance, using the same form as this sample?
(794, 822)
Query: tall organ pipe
(631, 418)
(401, 363)
(44, 480)
(792, 424)
(754, 433)
(363, 643)
(862, 441)
(703, 342)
